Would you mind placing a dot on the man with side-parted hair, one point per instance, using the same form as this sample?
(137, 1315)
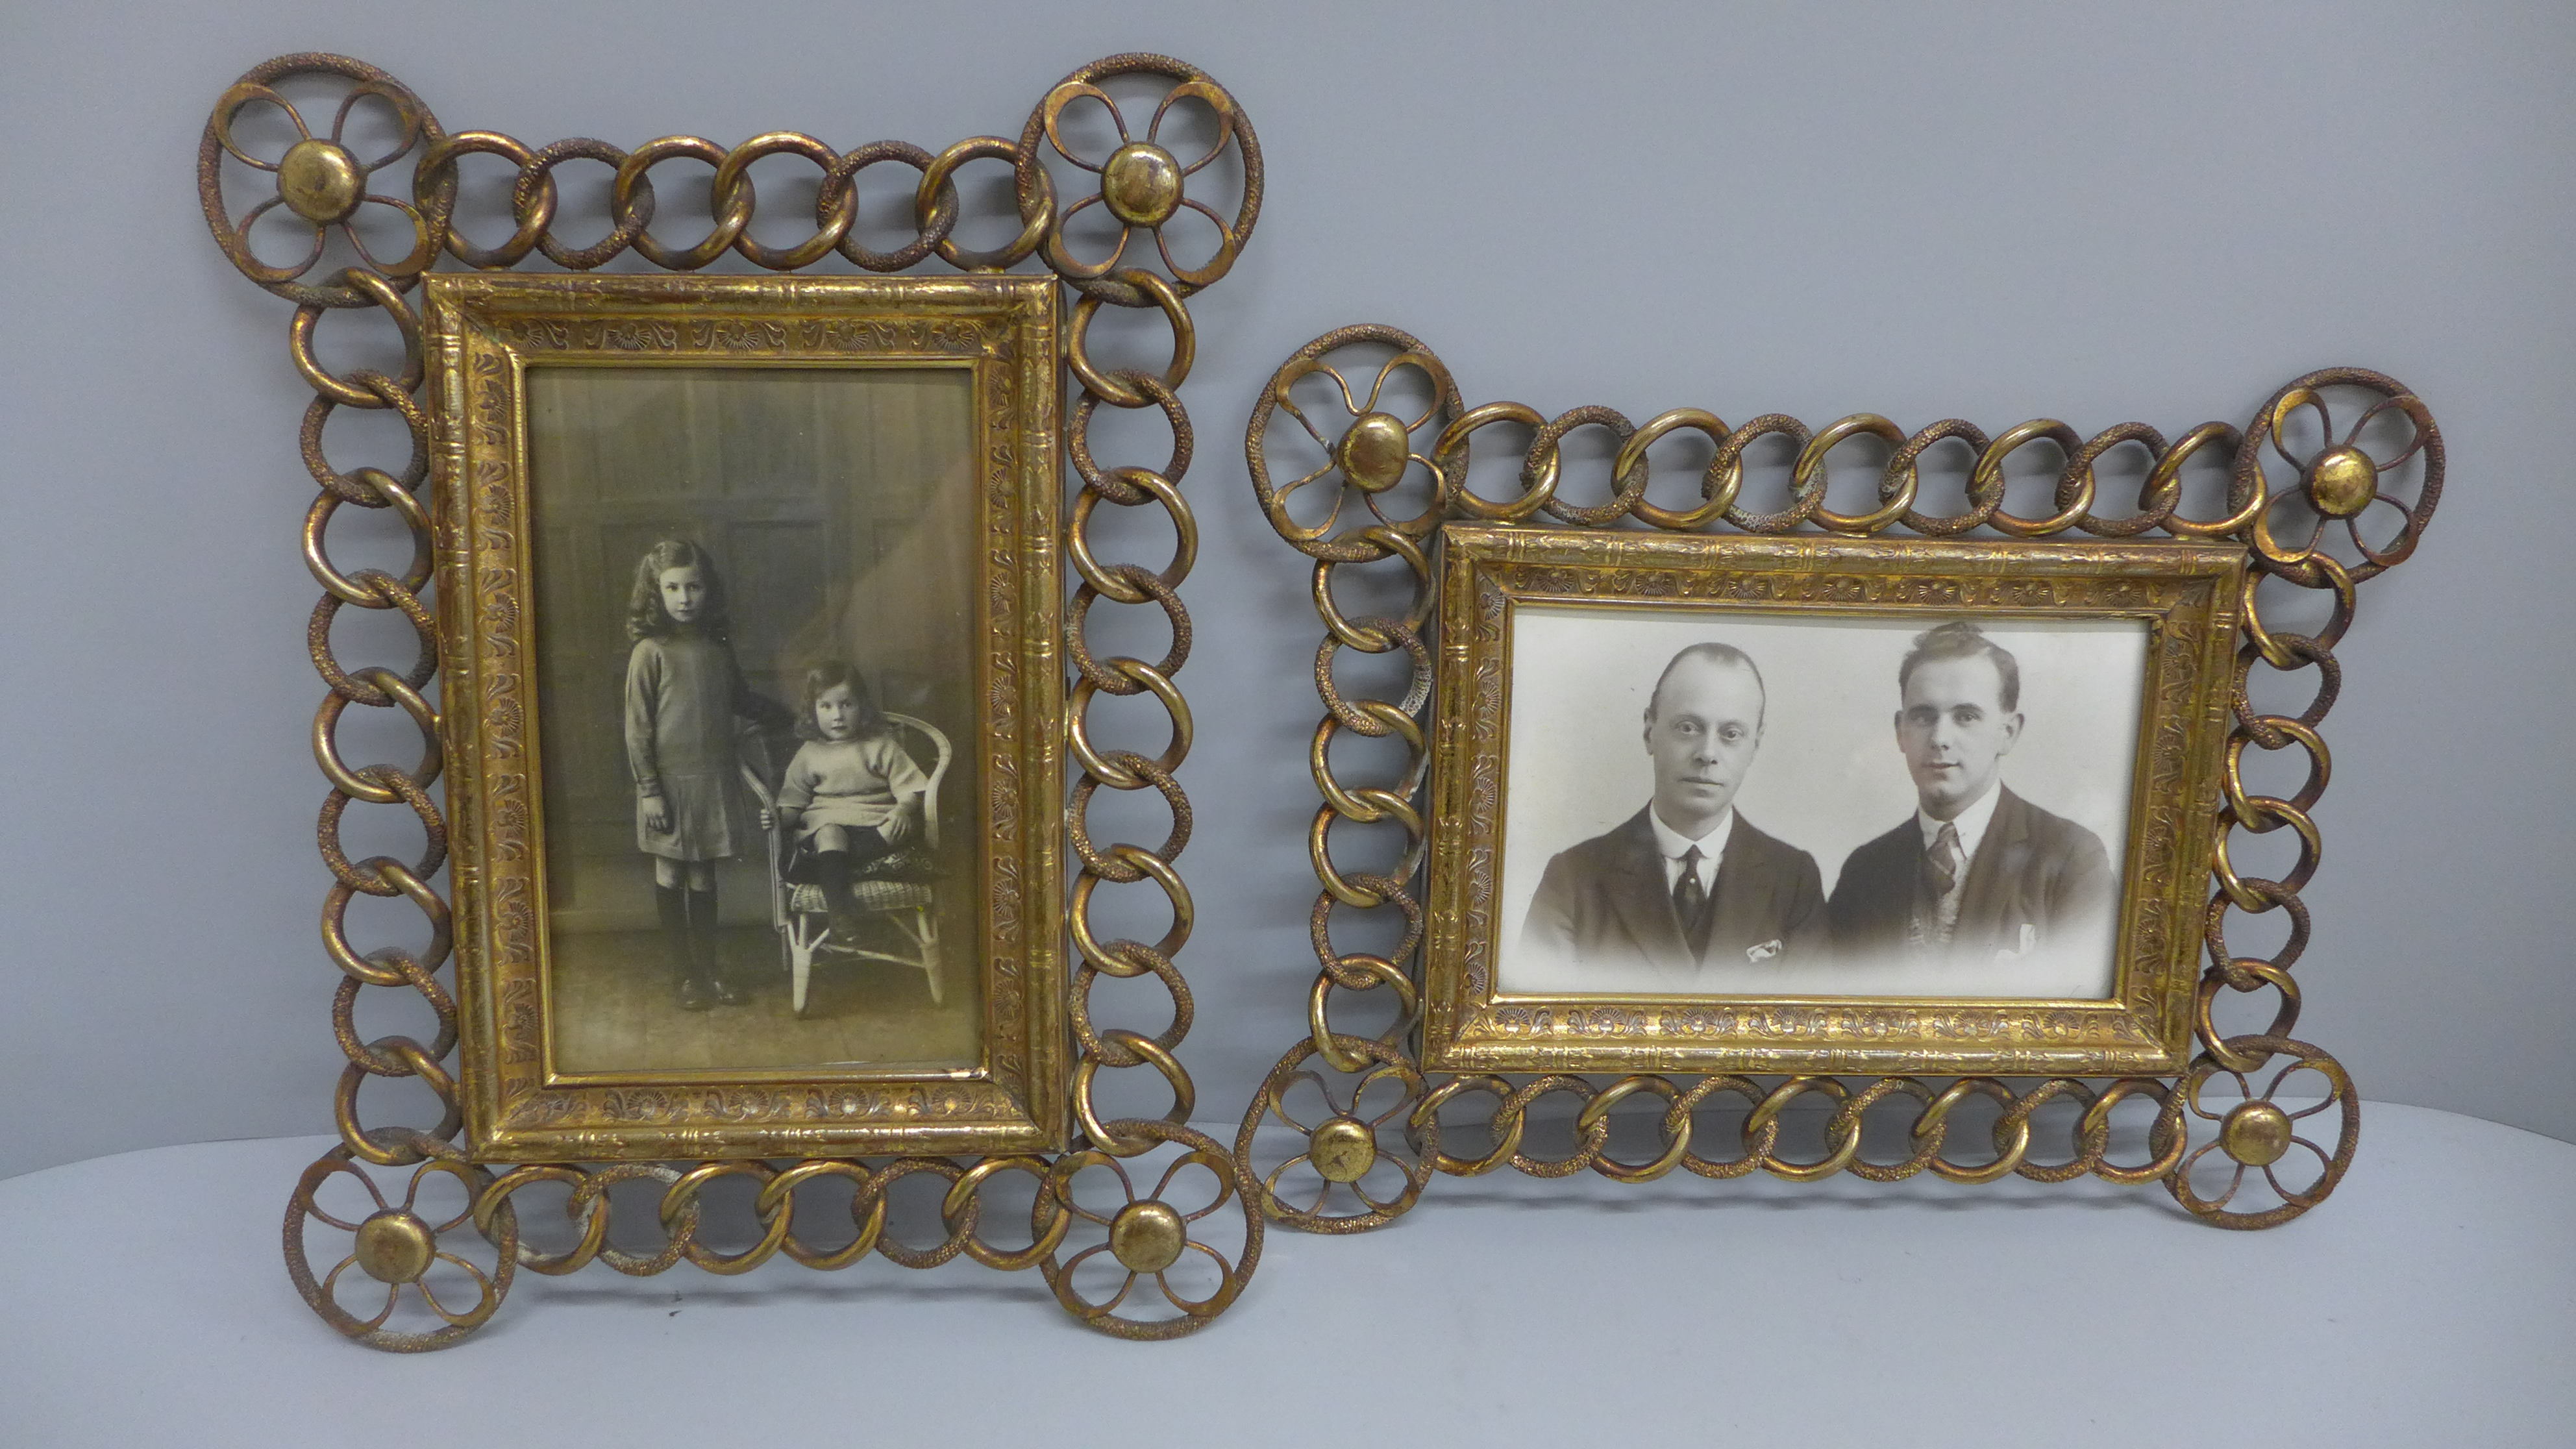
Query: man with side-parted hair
(1978, 874)
(1686, 881)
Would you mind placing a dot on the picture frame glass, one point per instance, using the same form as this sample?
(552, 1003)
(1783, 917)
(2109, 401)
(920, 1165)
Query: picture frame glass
(1827, 769)
(825, 515)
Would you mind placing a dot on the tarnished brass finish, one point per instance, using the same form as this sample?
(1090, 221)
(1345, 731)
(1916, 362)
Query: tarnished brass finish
(321, 182)
(1141, 184)
(2256, 1134)
(2256, 1140)
(395, 1247)
(1147, 1237)
(1344, 1149)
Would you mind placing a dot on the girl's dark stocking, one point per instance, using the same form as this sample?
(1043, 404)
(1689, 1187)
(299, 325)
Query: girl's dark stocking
(704, 943)
(671, 904)
(832, 873)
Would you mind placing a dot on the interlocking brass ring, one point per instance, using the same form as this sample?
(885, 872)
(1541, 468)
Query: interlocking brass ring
(1106, 386)
(1037, 211)
(932, 226)
(1717, 486)
(1897, 497)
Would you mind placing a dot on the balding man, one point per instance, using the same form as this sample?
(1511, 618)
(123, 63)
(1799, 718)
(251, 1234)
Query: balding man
(1687, 882)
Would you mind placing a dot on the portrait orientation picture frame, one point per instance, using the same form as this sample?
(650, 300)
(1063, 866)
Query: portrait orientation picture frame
(714, 350)
(1413, 1068)
(616, 447)
(1792, 1007)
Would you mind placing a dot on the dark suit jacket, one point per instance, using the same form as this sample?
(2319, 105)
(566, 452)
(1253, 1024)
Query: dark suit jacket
(2032, 869)
(1605, 901)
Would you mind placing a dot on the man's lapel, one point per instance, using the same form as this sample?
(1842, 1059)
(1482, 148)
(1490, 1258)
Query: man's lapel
(1639, 900)
(1994, 877)
(1744, 889)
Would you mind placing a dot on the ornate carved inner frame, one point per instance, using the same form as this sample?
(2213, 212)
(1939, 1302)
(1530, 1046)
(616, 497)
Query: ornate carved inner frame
(1798, 1005)
(816, 468)
(1433, 1048)
(855, 422)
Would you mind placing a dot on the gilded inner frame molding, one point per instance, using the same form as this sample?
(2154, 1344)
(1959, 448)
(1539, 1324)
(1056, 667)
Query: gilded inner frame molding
(483, 334)
(2188, 592)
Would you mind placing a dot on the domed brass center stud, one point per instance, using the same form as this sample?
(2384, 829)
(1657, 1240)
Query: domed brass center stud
(1146, 1237)
(1343, 1150)
(1372, 452)
(1141, 185)
(321, 181)
(2342, 481)
(2255, 1134)
(395, 1247)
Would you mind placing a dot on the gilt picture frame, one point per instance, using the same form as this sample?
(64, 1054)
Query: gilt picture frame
(1569, 661)
(861, 475)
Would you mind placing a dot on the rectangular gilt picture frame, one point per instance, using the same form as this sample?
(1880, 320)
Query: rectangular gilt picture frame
(752, 720)
(1815, 711)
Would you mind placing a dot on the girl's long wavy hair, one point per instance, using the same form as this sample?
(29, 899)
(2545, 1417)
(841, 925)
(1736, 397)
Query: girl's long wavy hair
(645, 617)
(826, 676)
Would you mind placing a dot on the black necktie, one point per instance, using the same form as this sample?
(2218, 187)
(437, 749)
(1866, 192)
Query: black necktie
(1690, 904)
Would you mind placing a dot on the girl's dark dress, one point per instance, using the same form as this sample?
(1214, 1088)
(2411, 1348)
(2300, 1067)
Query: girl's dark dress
(683, 692)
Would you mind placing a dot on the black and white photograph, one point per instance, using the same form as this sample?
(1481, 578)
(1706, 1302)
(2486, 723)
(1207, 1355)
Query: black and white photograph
(757, 685)
(1708, 802)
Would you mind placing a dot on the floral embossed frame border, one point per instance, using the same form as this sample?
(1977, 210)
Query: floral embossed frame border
(2189, 594)
(482, 333)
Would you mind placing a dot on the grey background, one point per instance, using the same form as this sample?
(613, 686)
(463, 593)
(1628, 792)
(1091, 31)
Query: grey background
(2158, 212)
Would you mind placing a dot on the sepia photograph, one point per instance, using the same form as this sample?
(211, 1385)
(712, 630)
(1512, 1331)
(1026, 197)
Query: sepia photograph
(758, 585)
(1762, 803)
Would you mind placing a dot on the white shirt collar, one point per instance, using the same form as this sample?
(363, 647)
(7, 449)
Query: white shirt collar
(1673, 845)
(1972, 822)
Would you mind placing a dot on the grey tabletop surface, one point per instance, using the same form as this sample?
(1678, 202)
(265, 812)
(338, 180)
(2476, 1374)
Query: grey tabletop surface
(2431, 1300)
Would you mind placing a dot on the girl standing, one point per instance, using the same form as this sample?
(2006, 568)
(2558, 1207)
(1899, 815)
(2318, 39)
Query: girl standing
(683, 693)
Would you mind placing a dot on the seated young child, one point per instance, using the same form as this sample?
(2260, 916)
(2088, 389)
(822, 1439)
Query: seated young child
(851, 795)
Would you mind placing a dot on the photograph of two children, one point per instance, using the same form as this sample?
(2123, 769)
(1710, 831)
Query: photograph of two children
(756, 588)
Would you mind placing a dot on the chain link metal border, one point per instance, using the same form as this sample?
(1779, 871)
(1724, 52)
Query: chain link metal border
(323, 184)
(1369, 451)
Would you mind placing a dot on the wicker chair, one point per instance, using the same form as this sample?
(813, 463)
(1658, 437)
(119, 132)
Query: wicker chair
(803, 918)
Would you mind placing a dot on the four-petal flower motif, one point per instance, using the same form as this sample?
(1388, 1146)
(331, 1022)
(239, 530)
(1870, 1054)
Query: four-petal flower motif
(1342, 1146)
(2257, 1133)
(320, 179)
(1147, 1236)
(2342, 479)
(1142, 184)
(395, 1246)
(1371, 455)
